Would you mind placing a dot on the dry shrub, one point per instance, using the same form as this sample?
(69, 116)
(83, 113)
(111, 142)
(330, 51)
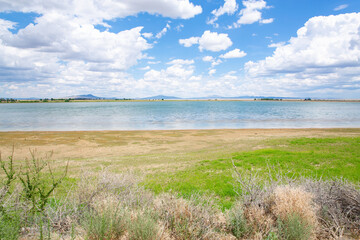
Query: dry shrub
(237, 222)
(295, 211)
(294, 200)
(339, 207)
(93, 185)
(260, 222)
(189, 219)
(143, 226)
(330, 207)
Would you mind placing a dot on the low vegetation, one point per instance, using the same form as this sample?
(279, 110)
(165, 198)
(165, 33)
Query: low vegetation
(104, 205)
(314, 158)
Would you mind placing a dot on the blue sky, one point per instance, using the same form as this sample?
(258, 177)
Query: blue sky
(184, 48)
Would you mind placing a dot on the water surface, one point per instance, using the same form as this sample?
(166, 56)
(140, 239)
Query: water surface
(154, 115)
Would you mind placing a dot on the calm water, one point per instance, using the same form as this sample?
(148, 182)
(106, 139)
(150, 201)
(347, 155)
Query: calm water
(177, 115)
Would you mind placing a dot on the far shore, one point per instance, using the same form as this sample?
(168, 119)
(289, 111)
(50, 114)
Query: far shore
(182, 100)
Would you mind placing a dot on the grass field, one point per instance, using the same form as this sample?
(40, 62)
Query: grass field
(310, 157)
(196, 167)
(189, 161)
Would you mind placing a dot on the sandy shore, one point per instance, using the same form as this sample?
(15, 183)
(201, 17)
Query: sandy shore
(109, 144)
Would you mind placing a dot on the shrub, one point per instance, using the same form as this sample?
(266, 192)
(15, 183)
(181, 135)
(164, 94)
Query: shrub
(294, 227)
(288, 201)
(237, 222)
(142, 227)
(196, 218)
(107, 225)
(24, 195)
(10, 226)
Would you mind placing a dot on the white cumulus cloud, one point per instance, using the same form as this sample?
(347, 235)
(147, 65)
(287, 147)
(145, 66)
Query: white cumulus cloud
(212, 72)
(236, 53)
(211, 41)
(68, 54)
(181, 62)
(252, 13)
(98, 10)
(229, 7)
(325, 52)
(208, 59)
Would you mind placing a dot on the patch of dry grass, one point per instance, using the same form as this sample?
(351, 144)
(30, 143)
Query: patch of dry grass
(104, 205)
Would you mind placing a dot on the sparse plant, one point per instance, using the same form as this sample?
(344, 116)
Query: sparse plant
(35, 183)
(196, 218)
(24, 195)
(106, 225)
(294, 227)
(143, 227)
(10, 225)
(237, 222)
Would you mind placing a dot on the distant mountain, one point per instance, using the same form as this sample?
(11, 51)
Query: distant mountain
(30, 98)
(159, 97)
(86, 97)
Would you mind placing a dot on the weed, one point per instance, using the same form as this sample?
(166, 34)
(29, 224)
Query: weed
(237, 222)
(10, 225)
(294, 227)
(107, 225)
(142, 227)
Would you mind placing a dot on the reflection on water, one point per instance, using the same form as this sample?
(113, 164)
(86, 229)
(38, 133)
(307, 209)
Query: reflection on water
(177, 115)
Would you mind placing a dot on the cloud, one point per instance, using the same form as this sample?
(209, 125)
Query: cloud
(210, 41)
(236, 53)
(69, 39)
(341, 7)
(325, 53)
(181, 62)
(177, 78)
(179, 27)
(267, 21)
(154, 62)
(96, 11)
(276, 45)
(208, 59)
(252, 13)
(163, 31)
(189, 41)
(66, 53)
(179, 69)
(145, 68)
(216, 62)
(229, 8)
(147, 35)
(212, 72)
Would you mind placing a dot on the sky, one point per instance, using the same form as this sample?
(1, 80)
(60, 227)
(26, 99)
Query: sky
(182, 48)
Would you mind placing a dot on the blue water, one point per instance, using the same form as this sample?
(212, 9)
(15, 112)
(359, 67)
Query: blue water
(177, 115)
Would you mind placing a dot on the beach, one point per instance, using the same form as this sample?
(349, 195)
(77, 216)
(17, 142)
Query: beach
(149, 150)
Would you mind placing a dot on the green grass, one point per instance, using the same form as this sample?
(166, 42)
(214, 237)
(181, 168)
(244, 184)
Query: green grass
(311, 157)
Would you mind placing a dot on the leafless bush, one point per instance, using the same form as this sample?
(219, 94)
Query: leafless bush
(330, 207)
(94, 188)
(196, 218)
(339, 206)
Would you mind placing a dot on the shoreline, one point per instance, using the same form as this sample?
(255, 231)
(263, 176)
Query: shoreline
(184, 130)
(188, 100)
(164, 145)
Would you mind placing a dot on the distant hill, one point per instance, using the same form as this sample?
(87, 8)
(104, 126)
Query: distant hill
(159, 97)
(85, 97)
(29, 98)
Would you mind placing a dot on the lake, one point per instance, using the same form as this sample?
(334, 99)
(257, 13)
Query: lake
(156, 115)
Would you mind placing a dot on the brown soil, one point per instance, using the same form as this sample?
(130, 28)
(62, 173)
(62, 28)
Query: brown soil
(135, 148)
